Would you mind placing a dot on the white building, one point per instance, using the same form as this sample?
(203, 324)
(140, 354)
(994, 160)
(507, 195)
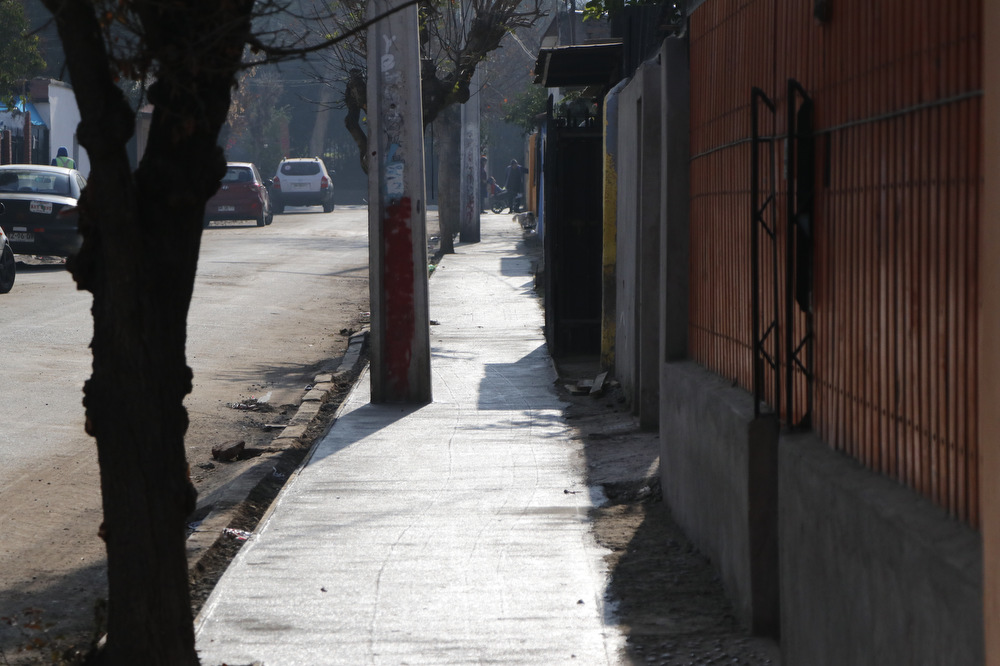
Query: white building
(56, 104)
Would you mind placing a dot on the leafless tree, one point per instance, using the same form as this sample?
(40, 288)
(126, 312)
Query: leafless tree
(455, 37)
(141, 233)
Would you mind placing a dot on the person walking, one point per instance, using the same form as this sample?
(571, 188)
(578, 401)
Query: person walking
(484, 181)
(514, 184)
(62, 159)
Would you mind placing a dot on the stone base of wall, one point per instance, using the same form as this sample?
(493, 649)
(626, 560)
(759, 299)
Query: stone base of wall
(871, 572)
(718, 467)
(866, 570)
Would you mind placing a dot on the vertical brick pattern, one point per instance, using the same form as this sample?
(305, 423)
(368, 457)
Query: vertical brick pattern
(896, 91)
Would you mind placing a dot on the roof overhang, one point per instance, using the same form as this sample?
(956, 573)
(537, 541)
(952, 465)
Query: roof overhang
(578, 65)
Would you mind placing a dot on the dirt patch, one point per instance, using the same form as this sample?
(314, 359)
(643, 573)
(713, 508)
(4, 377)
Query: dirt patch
(671, 604)
(44, 641)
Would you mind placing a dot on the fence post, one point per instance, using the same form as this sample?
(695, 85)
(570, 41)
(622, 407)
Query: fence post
(27, 137)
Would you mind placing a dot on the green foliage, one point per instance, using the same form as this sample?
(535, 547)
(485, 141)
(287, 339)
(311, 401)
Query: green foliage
(19, 56)
(596, 9)
(525, 107)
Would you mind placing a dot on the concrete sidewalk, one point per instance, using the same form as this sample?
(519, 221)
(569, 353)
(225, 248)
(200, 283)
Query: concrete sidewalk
(451, 533)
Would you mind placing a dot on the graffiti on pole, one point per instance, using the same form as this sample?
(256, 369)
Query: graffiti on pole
(400, 338)
(394, 162)
(397, 228)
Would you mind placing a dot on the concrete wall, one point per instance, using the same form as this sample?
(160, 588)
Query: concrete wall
(637, 329)
(609, 249)
(719, 475)
(650, 117)
(675, 207)
(626, 240)
(871, 573)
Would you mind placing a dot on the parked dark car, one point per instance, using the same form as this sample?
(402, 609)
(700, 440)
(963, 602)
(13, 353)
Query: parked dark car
(8, 265)
(38, 208)
(242, 195)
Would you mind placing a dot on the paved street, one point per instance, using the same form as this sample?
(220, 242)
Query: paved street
(268, 308)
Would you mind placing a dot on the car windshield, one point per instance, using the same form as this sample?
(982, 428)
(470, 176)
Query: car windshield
(300, 168)
(238, 175)
(36, 182)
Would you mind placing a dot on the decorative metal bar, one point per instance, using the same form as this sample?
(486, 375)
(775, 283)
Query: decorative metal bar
(798, 247)
(759, 221)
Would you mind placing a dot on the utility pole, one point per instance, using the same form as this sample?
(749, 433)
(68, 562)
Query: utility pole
(471, 203)
(397, 215)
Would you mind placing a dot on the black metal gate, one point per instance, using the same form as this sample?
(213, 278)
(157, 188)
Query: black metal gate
(573, 237)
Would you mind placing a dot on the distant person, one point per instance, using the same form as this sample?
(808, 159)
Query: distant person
(62, 159)
(484, 181)
(514, 184)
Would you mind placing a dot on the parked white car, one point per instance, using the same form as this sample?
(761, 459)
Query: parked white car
(302, 181)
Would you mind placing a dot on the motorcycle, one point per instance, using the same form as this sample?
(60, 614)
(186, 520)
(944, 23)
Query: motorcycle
(501, 199)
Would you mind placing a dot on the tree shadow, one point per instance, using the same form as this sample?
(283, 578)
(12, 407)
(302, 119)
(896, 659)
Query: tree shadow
(65, 610)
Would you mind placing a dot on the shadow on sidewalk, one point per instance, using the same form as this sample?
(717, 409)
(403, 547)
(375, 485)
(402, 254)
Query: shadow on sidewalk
(668, 597)
(360, 423)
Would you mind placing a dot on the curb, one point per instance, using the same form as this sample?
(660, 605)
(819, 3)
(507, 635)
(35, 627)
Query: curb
(211, 526)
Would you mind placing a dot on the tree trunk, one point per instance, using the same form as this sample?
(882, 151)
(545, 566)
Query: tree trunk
(356, 101)
(448, 144)
(317, 144)
(142, 233)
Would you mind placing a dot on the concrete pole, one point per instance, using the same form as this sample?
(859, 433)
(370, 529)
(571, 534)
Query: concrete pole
(397, 222)
(468, 230)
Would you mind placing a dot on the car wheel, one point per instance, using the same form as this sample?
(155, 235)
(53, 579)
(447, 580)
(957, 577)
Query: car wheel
(328, 207)
(7, 270)
(261, 219)
(269, 219)
(279, 208)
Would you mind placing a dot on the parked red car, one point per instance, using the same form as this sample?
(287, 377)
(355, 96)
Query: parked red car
(242, 195)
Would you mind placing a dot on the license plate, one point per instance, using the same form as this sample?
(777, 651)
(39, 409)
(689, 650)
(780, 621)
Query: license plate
(21, 236)
(301, 186)
(227, 209)
(44, 207)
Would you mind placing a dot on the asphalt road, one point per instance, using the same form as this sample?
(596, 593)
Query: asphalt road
(268, 312)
